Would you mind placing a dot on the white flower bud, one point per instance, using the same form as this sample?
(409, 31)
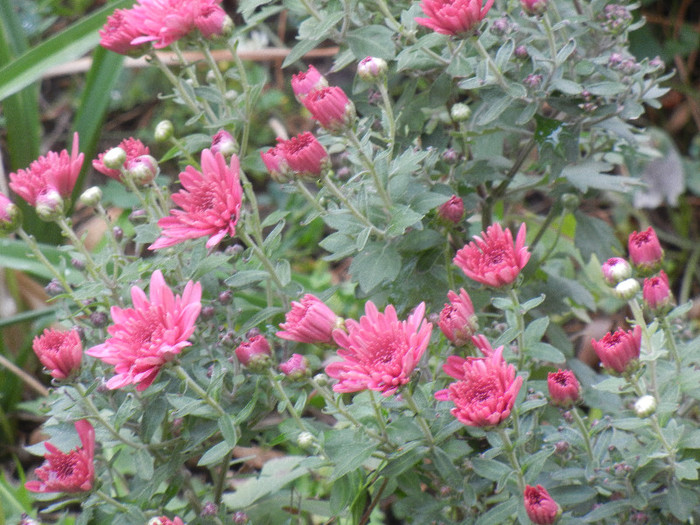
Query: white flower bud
(627, 289)
(164, 130)
(371, 69)
(645, 406)
(460, 112)
(91, 196)
(114, 159)
(306, 440)
(49, 206)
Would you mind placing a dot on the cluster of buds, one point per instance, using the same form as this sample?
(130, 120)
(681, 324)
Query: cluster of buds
(616, 18)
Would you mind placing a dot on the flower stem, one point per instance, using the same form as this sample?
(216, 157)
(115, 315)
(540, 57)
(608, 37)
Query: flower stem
(191, 383)
(584, 433)
(369, 166)
(378, 413)
(408, 397)
(492, 65)
(262, 257)
(288, 402)
(517, 310)
(389, 116)
(245, 85)
(670, 340)
(328, 183)
(108, 499)
(309, 196)
(510, 452)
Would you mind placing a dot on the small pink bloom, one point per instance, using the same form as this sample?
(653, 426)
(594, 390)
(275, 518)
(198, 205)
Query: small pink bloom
(142, 170)
(493, 259)
(309, 321)
(296, 367)
(10, 215)
(618, 350)
(645, 249)
(164, 520)
(457, 319)
(305, 82)
(210, 203)
(331, 107)
(452, 210)
(132, 147)
(656, 292)
(224, 143)
(453, 17)
(615, 270)
(252, 350)
(304, 155)
(119, 31)
(211, 20)
(73, 471)
(564, 389)
(275, 163)
(484, 345)
(379, 352)
(486, 391)
(54, 172)
(146, 337)
(371, 69)
(534, 6)
(60, 351)
(539, 505)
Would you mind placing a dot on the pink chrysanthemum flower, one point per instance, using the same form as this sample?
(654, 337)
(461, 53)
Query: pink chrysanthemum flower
(132, 147)
(309, 321)
(484, 345)
(52, 173)
(657, 292)
(60, 351)
(619, 350)
(119, 31)
(305, 82)
(539, 505)
(224, 143)
(331, 107)
(254, 351)
(564, 388)
(304, 154)
(210, 202)
(493, 259)
(73, 471)
(453, 17)
(150, 334)
(486, 391)
(457, 319)
(379, 352)
(164, 520)
(296, 367)
(645, 249)
(276, 163)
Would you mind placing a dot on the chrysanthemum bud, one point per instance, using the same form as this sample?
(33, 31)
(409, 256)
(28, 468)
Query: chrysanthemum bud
(371, 69)
(460, 112)
(627, 289)
(91, 196)
(295, 368)
(306, 440)
(521, 52)
(224, 143)
(114, 158)
(142, 170)
(49, 206)
(164, 131)
(321, 379)
(570, 201)
(645, 406)
(10, 215)
(615, 270)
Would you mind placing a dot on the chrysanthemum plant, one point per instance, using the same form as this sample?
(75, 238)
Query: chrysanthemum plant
(437, 383)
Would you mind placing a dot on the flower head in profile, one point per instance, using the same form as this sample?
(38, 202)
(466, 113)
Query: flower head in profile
(210, 203)
(275, 163)
(564, 388)
(534, 7)
(452, 210)
(493, 259)
(379, 352)
(539, 505)
(10, 215)
(296, 367)
(150, 334)
(72, 471)
(304, 155)
(305, 82)
(331, 107)
(619, 350)
(132, 147)
(60, 351)
(645, 249)
(51, 174)
(453, 17)
(486, 389)
(309, 321)
(657, 292)
(119, 31)
(457, 319)
(254, 352)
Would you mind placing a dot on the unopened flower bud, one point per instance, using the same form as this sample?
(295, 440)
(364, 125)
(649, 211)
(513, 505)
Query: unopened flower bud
(371, 69)
(207, 312)
(521, 52)
(225, 297)
(295, 368)
(615, 270)
(49, 206)
(240, 518)
(91, 196)
(118, 233)
(10, 216)
(645, 406)
(224, 143)
(209, 509)
(570, 201)
(460, 112)
(500, 26)
(533, 81)
(321, 379)
(114, 159)
(78, 265)
(450, 156)
(452, 210)
(98, 319)
(54, 288)
(627, 289)
(164, 131)
(254, 353)
(142, 170)
(306, 440)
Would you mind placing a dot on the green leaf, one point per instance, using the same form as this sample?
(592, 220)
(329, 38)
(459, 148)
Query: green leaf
(500, 514)
(607, 510)
(687, 469)
(215, 454)
(374, 40)
(593, 174)
(682, 500)
(494, 109)
(228, 431)
(246, 277)
(319, 30)
(377, 264)
(402, 217)
(144, 464)
(567, 86)
(594, 235)
(15, 254)
(545, 352)
(491, 469)
(606, 89)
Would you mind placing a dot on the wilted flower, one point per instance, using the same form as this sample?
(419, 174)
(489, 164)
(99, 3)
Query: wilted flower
(564, 388)
(253, 351)
(149, 335)
(296, 367)
(493, 259)
(645, 249)
(72, 471)
(305, 82)
(10, 215)
(615, 270)
(457, 319)
(453, 17)
(486, 391)
(452, 210)
(540, 506)
(331, 107)
(132, 148)
(210, 203)
(618, 350)
(309, 321)
(60, 351)
(304, 155)
(656, 292)
(379, 352)
(52, 173)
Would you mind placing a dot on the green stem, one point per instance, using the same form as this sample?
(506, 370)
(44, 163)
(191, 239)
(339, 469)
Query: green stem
(328, 183)
(108, 499)
(218, 77)
(670, 340)
(510, 453)
(191, 383)
(378, 413)
(646, 337)
(492, 65)
(221, 479)
(383, 89)
(369, 166)
(245, 85)
(288, 402)
(183, 149)
(208, 111)
(584, 433)
(408, 397)
(190, 102)
(309, 196)
(517, 310)
(262, 258)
